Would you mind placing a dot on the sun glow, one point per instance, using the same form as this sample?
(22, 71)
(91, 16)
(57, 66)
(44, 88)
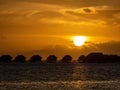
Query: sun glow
(79, 40)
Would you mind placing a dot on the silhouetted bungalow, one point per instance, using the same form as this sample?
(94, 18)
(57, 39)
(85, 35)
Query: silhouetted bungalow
(35, 58)
(20, 58)
(51, 59)
(66, 59)
(5, 58)
(94, 57)
(81, 58)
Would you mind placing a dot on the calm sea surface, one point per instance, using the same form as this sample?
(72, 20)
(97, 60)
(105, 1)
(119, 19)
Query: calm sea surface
(44, 76)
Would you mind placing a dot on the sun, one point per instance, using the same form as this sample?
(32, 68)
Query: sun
(79, 40)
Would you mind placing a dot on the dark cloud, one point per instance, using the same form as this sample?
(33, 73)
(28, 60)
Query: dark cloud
(110, 17)
(59, 50)
(87, 10)
(110, 47)
(81, 11)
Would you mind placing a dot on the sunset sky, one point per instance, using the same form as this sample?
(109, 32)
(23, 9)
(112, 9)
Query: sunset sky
(47, 27)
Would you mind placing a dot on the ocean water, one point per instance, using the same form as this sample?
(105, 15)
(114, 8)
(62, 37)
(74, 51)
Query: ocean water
(59, 76)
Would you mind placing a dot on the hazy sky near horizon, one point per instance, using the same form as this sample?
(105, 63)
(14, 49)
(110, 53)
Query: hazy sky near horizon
(46, 26)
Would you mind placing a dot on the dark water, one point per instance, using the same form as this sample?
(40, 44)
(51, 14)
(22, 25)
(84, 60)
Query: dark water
(44, 76)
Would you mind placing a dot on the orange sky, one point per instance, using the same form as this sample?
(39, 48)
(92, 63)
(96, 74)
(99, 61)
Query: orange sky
(46, 26)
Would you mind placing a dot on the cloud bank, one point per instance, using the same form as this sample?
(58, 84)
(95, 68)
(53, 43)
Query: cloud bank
(60, 51)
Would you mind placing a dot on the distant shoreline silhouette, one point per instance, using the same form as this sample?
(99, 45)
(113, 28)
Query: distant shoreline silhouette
(99, 58)
(90, 58)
